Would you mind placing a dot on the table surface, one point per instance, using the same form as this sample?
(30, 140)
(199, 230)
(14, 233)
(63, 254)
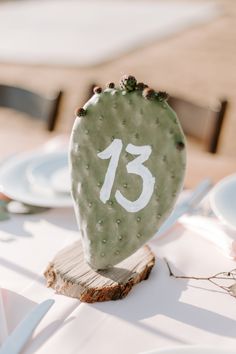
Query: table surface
(158, 313)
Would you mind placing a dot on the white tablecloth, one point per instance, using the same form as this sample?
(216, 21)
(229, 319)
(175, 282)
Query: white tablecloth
(159, 312)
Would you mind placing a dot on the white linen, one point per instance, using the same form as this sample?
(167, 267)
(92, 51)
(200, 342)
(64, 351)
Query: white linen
(90, 32)
(3, 320)
(159, 312)
(214, 231)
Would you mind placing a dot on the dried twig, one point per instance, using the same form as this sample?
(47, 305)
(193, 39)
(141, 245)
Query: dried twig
(229, 276)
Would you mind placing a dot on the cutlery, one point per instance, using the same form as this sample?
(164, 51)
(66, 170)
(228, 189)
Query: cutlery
(187, 205)
(18, 338)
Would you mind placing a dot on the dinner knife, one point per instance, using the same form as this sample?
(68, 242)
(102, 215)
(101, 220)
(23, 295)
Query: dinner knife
(187, 205)
(18, 338)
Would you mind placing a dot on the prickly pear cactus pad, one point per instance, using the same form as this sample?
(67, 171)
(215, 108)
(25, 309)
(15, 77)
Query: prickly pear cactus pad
(127, 160)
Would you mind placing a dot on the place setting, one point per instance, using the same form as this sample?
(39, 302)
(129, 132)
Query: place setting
(115, 240)
(35, 181)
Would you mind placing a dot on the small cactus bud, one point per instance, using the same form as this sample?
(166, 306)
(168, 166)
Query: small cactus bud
(97, 89)
(80, 112)
(148, 93)
(110, 85)
(180, 145)
(162, 96)
(141, 86)
(128, 83)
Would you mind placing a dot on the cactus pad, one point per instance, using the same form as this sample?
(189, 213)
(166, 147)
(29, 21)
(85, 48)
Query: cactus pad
(127, 161)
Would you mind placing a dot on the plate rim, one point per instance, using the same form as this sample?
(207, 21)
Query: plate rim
(16, 160)
(32, 178)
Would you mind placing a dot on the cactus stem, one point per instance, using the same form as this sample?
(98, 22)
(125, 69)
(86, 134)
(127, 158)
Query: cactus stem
(142, 121)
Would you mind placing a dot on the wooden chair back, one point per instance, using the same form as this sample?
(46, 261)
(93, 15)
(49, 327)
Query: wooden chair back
(31, 103)
(202, 123)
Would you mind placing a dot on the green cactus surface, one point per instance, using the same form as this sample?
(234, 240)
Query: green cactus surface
(140, 142)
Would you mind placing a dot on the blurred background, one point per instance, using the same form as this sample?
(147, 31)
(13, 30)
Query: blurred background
(187, 48)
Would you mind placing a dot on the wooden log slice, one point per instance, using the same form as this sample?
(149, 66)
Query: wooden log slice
(70, 275)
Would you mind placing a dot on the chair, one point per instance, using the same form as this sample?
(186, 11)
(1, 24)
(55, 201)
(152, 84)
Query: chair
(201, 123)
(31, 103)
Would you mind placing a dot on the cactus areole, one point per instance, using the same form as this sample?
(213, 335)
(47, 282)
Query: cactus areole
(127, 162)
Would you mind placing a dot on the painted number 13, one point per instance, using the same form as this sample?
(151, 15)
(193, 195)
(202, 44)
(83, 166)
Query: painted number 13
(136, 166)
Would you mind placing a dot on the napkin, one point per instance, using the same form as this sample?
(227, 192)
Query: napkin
(3, 321)
(214, 231)
(14, 307)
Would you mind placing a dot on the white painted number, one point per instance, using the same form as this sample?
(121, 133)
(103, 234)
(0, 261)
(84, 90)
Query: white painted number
(136, 166)
(112, 151)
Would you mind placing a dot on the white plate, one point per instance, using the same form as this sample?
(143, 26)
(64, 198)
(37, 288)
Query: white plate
(50, 173)
(223, 200)
(15, 184)
(190, 350)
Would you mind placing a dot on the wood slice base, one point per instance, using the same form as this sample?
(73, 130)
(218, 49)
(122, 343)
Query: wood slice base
(70, 275)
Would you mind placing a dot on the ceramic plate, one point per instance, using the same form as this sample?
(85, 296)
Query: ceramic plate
(15, 183)
(49, 173)
(223, 200)
(190, 350)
